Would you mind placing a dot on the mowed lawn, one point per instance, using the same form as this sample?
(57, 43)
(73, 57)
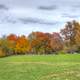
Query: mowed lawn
(40, 67)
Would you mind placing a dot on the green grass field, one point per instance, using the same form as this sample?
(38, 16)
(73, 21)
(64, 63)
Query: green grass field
(40, 67)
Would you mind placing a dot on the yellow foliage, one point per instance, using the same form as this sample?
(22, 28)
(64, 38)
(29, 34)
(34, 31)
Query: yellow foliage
(2, 54)
(22, 45)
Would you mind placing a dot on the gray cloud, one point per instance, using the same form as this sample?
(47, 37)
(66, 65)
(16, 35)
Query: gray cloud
(28, 20)
(3, 7)
(36, 21)
(70, 15)
(76, 6)
(53, 7)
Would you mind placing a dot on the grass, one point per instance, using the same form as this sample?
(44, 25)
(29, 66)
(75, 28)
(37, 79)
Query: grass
(40, 67)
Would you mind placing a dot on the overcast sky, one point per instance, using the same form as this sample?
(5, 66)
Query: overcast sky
(25, 16)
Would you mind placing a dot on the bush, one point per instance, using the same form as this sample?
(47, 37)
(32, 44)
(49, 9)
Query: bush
(2, 54)
(62, 52)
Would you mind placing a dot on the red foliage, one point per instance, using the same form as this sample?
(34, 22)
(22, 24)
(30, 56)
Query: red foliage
(12, 37)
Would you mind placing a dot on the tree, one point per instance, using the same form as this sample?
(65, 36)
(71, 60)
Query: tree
(45, 42)
(12, 38)
(71, 35)
(4, 47)
(38, 41)
(56, 42)
(68, 33)
(22, 45)
(77, 32)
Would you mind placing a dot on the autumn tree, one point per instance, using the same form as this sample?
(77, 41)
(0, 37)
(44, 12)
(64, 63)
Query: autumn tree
(45, 42)
(77, 32)
(38, 41)
(71, 35)
(12, 38)
(22, 45)
(56, 42)
(4, 48)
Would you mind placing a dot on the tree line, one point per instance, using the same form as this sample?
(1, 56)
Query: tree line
(67, 41)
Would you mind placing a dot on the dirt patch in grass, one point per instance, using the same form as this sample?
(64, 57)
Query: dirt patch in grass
(46, 63)
(57, 75)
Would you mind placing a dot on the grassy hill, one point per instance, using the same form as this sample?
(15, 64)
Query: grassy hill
(40, 67)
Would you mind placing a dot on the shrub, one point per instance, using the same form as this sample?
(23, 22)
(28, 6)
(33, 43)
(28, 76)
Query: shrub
(2, 54)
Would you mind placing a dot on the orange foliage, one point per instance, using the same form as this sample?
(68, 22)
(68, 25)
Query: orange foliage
(22, 45)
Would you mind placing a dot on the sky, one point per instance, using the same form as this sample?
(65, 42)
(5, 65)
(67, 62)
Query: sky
(24, 16)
